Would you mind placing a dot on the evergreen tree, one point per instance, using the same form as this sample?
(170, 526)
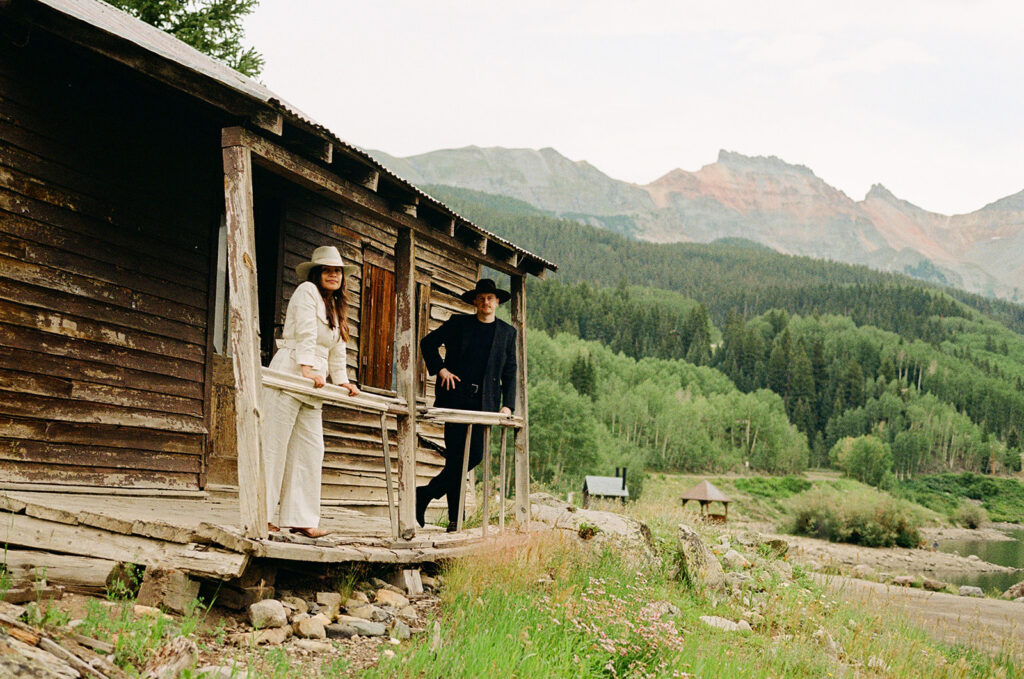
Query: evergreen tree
(213, 27)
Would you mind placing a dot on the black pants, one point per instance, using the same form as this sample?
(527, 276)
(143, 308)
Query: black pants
(448, 481)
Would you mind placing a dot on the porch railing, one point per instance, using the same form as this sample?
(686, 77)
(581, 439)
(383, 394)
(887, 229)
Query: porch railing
(476, 418)
(330, 393)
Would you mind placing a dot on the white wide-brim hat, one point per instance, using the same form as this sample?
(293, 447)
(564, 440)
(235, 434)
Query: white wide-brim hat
(325, 255)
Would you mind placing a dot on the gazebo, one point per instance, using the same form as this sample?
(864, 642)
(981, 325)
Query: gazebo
(705, 493)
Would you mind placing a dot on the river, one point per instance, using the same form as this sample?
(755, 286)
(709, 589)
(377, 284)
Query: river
(1002, 552)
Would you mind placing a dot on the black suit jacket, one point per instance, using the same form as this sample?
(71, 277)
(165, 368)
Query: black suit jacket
(499, 387)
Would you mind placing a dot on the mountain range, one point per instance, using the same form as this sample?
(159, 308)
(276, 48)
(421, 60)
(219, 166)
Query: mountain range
(762, 199)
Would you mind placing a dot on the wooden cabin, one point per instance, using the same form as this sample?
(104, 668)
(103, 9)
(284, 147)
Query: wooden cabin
(153, 206)
(605, 487)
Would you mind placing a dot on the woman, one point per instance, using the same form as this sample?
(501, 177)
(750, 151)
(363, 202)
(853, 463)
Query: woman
(312, 344)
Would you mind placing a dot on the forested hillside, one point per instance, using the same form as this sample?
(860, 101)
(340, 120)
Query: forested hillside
(728, 275)
(804, 360)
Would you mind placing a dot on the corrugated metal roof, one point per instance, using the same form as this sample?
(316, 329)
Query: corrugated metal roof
(705, 492)
(606, 486)
(112, 20)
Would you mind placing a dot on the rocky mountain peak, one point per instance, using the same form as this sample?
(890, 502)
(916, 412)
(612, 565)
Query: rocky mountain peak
(879, 192)
(765, 164)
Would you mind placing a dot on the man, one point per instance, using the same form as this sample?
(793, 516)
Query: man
(477, 372)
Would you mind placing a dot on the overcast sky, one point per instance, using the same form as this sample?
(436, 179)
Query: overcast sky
(923, 97)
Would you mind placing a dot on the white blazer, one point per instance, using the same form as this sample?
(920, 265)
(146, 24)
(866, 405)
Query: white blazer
(308, 339)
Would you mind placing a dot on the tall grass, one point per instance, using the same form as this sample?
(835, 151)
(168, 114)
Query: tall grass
(559, 609)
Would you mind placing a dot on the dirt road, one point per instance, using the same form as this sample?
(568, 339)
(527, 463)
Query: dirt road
(989, 624)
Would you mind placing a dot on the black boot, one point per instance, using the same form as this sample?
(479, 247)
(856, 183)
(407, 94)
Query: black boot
(421, 506)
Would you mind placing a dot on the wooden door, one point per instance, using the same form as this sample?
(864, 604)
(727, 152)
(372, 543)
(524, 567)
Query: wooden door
(377, 327)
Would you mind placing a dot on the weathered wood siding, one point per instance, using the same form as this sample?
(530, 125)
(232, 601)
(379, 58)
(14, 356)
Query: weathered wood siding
(110, 195)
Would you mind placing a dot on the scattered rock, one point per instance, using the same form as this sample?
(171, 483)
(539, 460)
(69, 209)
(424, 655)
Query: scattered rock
(750, 538)
(368, 612)
(330, 604)
(312, 646)
(734, 560)
(409, 613)
(1016, 591)
(222, 672)
(267, 613)
(611, 528)
(310, 628)
(973, 557)
(358, 597)
(737, 579)
(365, 628)
(721, 623)
(863, 571)
(825, 639)
(387, 653)
(380, 584)
(400, 631)
(297, 604)
(783, 569)
(428, 581)
(147, 611)
(904, 580)
(777, 546)
(933, 585)
(340, 630)
(743, 626)
(662, 609)
(696, 562)
(969, 590)
(386, 597)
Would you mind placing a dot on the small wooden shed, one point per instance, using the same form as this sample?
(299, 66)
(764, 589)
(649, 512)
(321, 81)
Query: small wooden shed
(605, 487)
(705, 493)
(153, 206)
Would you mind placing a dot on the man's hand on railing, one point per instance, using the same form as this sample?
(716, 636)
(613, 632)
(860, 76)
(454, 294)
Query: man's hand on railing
(353, 390)
(318, 380)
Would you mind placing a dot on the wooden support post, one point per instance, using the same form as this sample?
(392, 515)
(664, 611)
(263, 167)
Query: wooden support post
(502, 480)
(392, 509)
(405, 344)
(370, 180)
(245, 339)
(465, 473)
(486, 480)
(522, 473)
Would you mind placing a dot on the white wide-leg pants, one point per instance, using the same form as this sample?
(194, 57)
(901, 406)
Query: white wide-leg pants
(293, 455)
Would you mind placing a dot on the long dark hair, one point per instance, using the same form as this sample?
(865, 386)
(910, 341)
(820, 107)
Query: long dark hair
(336, 302)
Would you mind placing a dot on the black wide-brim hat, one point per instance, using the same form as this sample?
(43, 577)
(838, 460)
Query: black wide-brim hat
(484, 286)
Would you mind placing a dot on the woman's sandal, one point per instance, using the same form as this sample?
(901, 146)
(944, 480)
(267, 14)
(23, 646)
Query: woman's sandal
(310, 532)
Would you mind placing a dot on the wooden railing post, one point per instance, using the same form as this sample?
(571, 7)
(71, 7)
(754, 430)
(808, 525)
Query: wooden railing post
(245, 339)
(405, 345)
(522, 445)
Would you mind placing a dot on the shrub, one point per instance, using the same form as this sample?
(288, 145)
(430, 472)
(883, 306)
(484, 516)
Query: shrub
(864, 517)
(970, 515)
